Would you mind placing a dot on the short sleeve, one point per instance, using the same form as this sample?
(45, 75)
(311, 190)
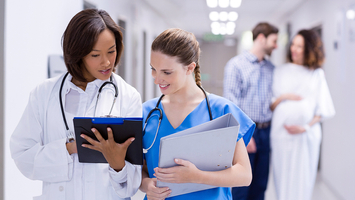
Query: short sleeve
(325, 107)
(247, 126)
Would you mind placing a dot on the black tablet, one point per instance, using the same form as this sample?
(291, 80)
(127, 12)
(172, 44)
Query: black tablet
(122, 128)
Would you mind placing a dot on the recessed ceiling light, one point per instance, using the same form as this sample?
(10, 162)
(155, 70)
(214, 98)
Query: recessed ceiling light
(215, 25)
(223, 3)
(350, 14)
(232, 16)
(212, 3)
(223, 16)
(214, 16)
(235, 3)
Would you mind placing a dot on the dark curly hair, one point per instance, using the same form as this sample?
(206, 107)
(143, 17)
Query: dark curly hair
(313, 49)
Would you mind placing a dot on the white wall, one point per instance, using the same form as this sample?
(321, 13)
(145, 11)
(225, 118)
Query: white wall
(33, 30)
(2, 28)
(337, 158)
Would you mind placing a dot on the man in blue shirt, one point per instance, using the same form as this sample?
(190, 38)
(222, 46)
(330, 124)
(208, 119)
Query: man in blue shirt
(248, 83)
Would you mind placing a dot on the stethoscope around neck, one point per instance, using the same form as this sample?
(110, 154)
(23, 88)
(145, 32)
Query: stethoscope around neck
(161, 117)
(70, 135)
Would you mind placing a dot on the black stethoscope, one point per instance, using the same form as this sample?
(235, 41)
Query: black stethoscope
(161, 116)
(70, 135)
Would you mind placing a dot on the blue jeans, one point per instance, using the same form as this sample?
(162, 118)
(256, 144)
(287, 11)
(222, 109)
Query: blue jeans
(260, 168)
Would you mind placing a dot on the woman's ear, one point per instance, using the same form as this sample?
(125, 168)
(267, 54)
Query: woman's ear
(190, 68)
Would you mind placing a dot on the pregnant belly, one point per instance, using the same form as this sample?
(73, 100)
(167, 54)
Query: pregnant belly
(294, 112)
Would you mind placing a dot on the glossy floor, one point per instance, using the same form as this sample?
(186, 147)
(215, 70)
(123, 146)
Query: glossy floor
(320, 192)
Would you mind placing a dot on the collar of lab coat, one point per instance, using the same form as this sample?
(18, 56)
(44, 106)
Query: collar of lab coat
(70, 85)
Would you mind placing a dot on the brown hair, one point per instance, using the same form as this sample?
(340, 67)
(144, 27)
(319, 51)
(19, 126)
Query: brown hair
(81, 35)
(183, 45)
(313, 52)
(264, 28)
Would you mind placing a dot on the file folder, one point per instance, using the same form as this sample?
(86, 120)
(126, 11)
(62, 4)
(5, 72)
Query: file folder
(122, 128)
(210, 146)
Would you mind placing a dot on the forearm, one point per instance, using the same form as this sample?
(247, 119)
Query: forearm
(277, 102)
(315, 120)
(145, 178)
(235, 176)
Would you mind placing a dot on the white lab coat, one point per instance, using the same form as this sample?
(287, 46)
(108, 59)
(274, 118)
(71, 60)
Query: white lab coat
(39, 151)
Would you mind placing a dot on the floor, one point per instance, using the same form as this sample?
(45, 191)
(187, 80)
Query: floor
(321, 191)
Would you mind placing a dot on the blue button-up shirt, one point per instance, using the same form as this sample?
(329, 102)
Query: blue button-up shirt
(248, 84)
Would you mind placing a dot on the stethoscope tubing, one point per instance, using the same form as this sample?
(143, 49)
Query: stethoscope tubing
(69, 134)
(161, 116)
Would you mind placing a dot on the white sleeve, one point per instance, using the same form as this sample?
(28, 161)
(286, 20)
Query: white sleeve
(325, 107)
(127, 181)
(38, 161)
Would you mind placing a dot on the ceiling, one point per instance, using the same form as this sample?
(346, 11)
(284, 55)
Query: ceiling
(193, 15)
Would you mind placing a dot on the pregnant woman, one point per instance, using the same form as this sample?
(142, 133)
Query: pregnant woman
(301, 101)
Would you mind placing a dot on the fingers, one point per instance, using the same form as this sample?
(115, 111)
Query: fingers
(181, 162)
(251, 147)
(168, 170)
(166, 174)
(109, 134)
(97, 134)
(293, 97)
(128, 142)
(293, 129)
(71, 147)
(89, 139)
(156, 193)
(91, 147)
(287, 129)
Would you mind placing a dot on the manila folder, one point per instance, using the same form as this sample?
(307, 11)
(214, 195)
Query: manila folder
(210, 146)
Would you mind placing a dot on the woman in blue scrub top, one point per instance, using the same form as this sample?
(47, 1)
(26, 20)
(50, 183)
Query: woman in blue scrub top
(174, 60)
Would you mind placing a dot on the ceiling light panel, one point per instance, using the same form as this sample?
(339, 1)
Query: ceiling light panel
(212, 3)
(235, 3)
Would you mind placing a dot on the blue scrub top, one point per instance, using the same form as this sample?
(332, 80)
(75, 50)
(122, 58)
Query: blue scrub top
(219, 107)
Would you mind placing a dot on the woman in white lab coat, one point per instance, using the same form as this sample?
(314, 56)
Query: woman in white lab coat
(301, 101)
(41, 146)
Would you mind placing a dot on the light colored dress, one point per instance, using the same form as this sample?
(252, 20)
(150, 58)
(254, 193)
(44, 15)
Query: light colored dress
(294, 157)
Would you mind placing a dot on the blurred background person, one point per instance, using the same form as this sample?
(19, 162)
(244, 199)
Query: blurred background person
(247, 83)
(302, 101)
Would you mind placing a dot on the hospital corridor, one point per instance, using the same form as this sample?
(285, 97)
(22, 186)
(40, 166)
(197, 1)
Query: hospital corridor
(272, 59)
